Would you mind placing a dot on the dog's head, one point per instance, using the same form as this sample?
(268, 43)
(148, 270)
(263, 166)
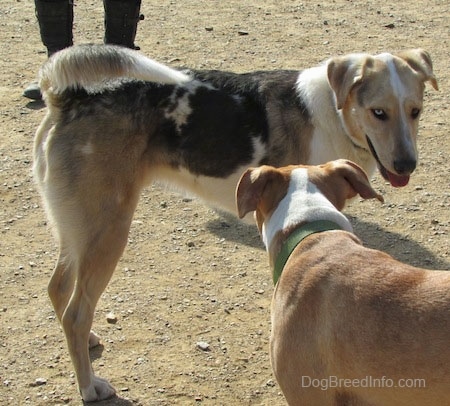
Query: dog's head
(380, 98)
(261, 189)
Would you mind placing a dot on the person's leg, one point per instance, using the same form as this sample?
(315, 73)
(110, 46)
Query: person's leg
(121, 19)
(55, 18)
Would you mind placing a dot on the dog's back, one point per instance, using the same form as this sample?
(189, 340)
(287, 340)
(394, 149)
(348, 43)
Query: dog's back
(361, 319)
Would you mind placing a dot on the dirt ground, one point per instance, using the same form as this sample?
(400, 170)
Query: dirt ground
(190, 274)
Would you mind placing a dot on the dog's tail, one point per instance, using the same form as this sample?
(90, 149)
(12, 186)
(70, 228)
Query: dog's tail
(83, 66)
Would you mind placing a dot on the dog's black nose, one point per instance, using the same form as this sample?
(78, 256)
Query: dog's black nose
(405, 166)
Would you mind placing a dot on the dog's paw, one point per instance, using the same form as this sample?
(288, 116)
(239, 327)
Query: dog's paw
(94, 339)
(99, 389)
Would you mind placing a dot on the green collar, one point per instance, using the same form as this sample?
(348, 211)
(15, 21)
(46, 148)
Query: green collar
(295, 238)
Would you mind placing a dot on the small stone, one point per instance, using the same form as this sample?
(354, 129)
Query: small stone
(202, 345)
(40, 381)
(111, 318)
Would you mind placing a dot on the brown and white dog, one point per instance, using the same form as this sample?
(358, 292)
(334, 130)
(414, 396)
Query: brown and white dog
(350, 325)
(117, 121)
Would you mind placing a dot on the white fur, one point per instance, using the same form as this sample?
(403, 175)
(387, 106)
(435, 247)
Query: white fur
(209, 189)
(182, 111)
(303, 202)
(99, 388)
(67, 69)
(147, 69)
(314, 90)
(401, 93)
(183, 108)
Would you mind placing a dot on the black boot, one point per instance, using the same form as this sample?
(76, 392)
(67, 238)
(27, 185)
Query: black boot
(121, 19)
(55, 18)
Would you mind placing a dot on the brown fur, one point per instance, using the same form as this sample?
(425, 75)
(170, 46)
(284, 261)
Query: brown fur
(346, 311)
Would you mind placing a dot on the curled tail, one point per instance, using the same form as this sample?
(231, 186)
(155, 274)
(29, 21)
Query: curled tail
(86, 65)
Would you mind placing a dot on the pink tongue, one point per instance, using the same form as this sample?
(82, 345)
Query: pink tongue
(397, 180)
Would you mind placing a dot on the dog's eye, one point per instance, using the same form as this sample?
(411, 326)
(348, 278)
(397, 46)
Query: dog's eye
(415, 113)
(380, 114)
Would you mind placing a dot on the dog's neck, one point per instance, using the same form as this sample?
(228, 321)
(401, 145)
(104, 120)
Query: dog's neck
(295, 238)
(303, 203)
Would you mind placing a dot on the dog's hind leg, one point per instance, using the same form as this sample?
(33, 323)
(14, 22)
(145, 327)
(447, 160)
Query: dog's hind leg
(91, 214)
(81, 275)
(90, 181)
(61, 284)
(93, 274)
(60, 289)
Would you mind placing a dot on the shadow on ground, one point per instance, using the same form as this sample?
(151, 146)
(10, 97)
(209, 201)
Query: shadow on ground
(396, 245)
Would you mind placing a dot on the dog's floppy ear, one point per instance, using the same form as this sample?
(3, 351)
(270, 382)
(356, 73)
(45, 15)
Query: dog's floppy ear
(420, 61)
(247, 193)
(357, 180)
(344, 72)
(341, 180)
(254, 191)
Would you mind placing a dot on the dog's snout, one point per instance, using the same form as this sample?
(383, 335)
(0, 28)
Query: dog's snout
(405, 166)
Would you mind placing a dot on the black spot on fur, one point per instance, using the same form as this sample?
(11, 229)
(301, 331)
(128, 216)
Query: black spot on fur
(260, 86)
(221, 127)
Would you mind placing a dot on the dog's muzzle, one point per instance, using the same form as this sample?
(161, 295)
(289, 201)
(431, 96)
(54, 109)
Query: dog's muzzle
(404, 168)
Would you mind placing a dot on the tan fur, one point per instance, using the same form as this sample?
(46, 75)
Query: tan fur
(364, 84)
(299, 147)
(346, 311)
(90, 245)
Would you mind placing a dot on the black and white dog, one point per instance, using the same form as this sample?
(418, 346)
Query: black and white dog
(117, 121)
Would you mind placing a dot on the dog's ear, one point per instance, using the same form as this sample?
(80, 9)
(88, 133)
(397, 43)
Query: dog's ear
(341, 180)
(420, 61)
(357, 180)
(254, 191)
(344, 72)
(247, 195)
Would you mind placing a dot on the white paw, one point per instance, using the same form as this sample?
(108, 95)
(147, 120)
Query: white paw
(99, 389)
(94, 339)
